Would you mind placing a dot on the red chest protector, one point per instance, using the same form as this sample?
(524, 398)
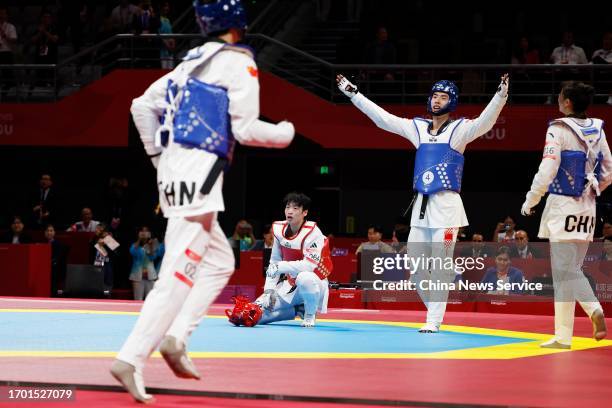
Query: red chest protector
(292, 248)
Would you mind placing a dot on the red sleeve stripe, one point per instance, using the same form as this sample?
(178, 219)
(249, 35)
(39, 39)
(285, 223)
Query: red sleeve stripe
(183, 279)
(192, 255)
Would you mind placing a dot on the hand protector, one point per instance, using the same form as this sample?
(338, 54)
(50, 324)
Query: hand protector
(502, 89)
(346, 86)
(272, 270)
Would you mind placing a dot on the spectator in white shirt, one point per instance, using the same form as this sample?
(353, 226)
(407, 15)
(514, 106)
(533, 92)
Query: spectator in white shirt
(123, 15)
(568, 53)
(87, 223)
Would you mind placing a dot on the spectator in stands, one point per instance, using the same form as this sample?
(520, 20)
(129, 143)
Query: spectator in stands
(265, 245)
(375, 242)
(59, 256)
(168, 46)
(145, 21)
(243, 236)
(267, 241)
(45, 202)
(604, 56)
(17, 233)
(524, 53)
(45, 40)
(381, 51)
(478, 248)
(101, 253)
(122, 16)
(567, 52)
(115, 204)
(522, 249)
(504, 231)
(87, 223)
(8, 39)
(503, 271)
(145, 251)
(400, 238)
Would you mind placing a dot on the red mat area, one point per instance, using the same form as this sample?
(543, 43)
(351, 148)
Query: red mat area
(565, 379)
(102, 399)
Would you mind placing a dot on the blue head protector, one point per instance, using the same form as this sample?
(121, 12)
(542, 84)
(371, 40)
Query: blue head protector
(219, 15)
(449, 88)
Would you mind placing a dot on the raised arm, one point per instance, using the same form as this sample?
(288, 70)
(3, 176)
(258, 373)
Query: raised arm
(380, 117)
(473, 129)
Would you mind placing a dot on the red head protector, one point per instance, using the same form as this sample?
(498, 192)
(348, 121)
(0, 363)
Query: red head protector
(244, 313)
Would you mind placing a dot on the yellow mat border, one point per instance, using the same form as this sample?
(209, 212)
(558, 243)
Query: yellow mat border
(496, 352)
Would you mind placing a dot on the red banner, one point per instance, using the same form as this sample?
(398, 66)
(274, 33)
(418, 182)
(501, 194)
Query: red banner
(97, 115)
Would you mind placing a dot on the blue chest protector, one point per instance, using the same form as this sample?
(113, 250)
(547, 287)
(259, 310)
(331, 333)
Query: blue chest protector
(202, 118)
(571, 177)
(437, 167)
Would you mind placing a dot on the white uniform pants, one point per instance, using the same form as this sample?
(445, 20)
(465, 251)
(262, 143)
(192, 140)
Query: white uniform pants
(438, 244)
(197, 265)
(310, 291)
(570, 286)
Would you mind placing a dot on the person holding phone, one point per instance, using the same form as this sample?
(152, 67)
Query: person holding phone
(145, 252)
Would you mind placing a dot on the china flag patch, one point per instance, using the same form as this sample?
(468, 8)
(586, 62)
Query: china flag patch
(253, 71)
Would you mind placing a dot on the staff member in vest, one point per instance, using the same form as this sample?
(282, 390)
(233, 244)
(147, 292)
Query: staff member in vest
(438, 210)
(210, 100)
(575, 168)
(296, 280)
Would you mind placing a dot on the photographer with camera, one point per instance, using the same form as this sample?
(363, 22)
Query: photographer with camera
(504, 232)
(145, 252)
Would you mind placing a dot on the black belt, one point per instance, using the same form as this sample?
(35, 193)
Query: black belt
(423, 206)
(215, 171)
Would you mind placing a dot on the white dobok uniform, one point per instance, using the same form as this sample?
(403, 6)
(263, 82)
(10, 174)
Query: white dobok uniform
(568, 221)
(198, 261)
(444, 213)
(305, 260)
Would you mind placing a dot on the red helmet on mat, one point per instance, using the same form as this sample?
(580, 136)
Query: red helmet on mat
(245, 313)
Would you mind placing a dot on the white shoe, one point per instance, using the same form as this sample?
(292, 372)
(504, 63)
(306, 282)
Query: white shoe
(430, 328)
(555, 344)
(309, 320)
(131, 380)
(177, 359)
(609, 101)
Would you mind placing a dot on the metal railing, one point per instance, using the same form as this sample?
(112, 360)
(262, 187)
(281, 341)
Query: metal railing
(385, 83)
